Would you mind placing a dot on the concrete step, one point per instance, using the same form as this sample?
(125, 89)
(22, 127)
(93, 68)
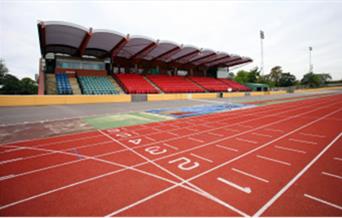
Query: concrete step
(152, 84)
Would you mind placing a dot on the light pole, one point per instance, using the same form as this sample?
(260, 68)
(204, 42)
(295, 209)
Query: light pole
(310, 64)
(262, 37)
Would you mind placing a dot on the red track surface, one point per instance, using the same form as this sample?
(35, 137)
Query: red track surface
(283, 159)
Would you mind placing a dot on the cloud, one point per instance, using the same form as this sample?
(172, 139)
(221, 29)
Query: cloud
(290, 27)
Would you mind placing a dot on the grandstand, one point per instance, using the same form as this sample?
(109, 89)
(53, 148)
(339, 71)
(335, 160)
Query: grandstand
(103, 62)
(135, 83)
(174, 84)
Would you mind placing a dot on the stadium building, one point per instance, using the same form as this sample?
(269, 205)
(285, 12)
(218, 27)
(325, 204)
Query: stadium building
(78, 60)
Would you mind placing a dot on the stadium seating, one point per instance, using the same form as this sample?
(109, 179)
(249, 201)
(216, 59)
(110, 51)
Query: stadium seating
(174, 84)
(96, 85)
(211, 84)
(235, 85)
(62, 84)
(135, 83)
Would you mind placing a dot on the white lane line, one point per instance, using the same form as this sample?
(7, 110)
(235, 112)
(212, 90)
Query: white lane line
(323, 201)
(290, 149)
(227, 148)
(215, 134)
(313, 135)
(246, 126)
(263, 135)
(10, 150)
(288, 185)
(302, 141)
(337, 158)
(250, 175)
(332, 175)
(180, 184)
(275, 130)
(274, 160)
(247, 190)
(171, 133)
(6, 177)
(196, 140)
(246, 140)
(193, 187)
(233, 130)
(149, 138)
(170, 146)
(11, 160)
(202, 158)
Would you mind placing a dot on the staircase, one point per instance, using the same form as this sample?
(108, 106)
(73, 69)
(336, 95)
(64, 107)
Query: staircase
(50, 83)
(116, 85)
(74, 85)
(198, 85)
(154, 85)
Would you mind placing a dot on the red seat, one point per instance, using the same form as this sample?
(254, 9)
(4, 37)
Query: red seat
(135, 83)
(174, 84)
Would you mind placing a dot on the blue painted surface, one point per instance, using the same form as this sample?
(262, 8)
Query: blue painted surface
(197, 110)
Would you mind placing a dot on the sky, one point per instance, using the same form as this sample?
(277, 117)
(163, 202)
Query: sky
(290, 27)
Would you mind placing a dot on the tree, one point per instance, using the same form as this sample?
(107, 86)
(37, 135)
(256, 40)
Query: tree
(324, 77)
(28, 86)
(3, 70)
(11, 85)
(241, 76)
(247, 76)
(287, 79)
(275, 75)
(311, 79)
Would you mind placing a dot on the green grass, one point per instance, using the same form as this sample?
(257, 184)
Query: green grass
(119, 120)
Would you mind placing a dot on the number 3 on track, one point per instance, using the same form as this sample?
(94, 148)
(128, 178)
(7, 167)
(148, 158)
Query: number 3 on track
(186, 163)
(135, 141)
(155, 150)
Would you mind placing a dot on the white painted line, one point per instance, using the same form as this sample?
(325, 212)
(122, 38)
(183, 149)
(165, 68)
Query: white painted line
(332, 175)
(250, 175)
(234, 159)
(247, 190)
(264, 135)
(215, 134)
(202, 158)
(11, 160)
(288, 185)
(290, 149)
(227, 148)
(170, 146)
(302, 141)
(323, 201)
(172, 133)
(246, 140)
(6, 177)
(246, 126)
(337, 158)
(232, 130)
(149, 138)
(313, 135)
(196, 140)
(11, 150)
(275, 130)
(274, 160)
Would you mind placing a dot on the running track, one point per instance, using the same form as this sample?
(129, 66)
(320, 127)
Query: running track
(276, 160)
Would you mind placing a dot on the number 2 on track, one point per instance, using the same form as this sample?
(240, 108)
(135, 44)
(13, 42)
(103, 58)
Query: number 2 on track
(186, 163)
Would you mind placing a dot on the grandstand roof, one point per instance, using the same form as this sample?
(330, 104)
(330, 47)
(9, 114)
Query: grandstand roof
(75, 40)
